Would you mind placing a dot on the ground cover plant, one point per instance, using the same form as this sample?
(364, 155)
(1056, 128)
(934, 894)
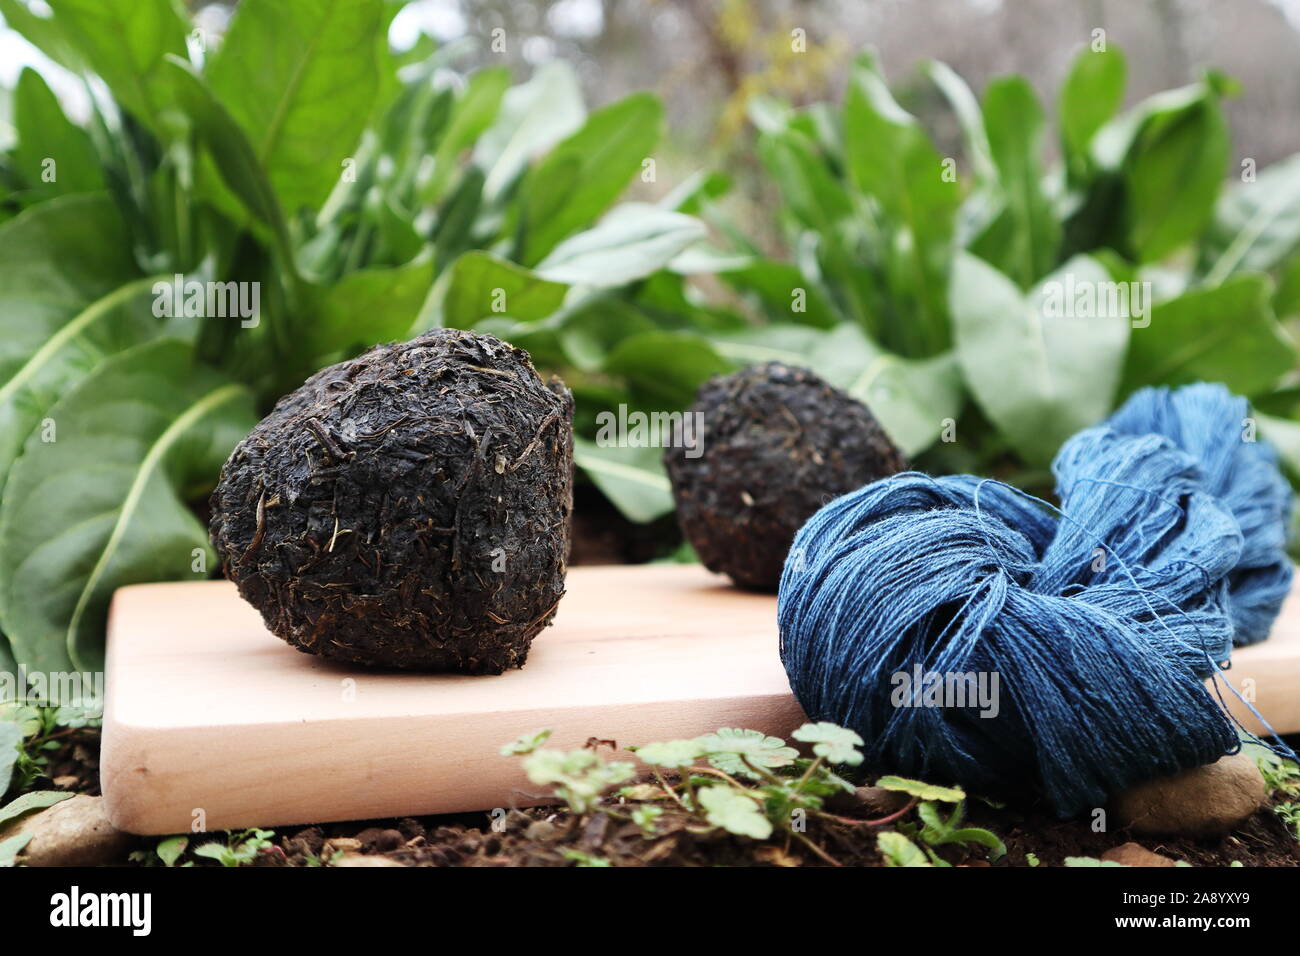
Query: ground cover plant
(797, 807)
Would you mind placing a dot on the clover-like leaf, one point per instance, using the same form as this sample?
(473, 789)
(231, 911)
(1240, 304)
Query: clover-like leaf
(526, 743)
(734, 811)
(922, 791)
(736, 751)
(579, 776)
(672, 753)
(834, 743)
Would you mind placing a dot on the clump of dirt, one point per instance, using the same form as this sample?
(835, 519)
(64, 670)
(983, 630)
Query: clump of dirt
(778, 443)
(408, 508)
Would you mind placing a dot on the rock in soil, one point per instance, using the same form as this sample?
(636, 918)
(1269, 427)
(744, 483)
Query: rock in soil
(1133, 854)
(74, 832)
(350, 859)
(877, 801)
(1204, 801)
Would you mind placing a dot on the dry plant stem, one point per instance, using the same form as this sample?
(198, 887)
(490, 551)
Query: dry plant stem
(718, 773)
(849, 821)
(659, 777)
(818, 850)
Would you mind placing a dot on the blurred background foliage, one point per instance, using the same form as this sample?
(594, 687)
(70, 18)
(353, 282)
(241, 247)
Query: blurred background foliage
(640, 194)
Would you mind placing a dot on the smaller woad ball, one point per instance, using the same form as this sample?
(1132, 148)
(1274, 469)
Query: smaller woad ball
(777, 443)
(408, 508)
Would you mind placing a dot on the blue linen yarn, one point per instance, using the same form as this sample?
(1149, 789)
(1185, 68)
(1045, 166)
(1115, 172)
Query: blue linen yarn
(1101, 624)
(1209, 422)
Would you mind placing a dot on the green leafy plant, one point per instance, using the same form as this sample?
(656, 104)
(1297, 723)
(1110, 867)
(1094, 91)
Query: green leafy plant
(27, 734)
(1289, 813)
(745, 783)
(167, 852)
(914, 281)
(239, 848)
(363, 203)
(940, 811)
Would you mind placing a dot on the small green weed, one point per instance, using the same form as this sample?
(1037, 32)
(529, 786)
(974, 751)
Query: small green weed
(749, 784)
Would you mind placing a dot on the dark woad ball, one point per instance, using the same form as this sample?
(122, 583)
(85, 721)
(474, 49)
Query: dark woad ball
(408, 508)
(778, 443)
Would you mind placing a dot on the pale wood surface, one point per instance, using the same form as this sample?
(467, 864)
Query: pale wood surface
(209, 712)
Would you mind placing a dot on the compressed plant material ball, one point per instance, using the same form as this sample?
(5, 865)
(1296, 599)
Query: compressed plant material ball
(778, 443)
(408, 508)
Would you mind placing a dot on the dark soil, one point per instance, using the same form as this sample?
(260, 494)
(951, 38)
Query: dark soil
(408, 508)
(552, 837)
(778, 444)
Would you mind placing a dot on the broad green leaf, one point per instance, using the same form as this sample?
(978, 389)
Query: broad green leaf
(234, 156)
(1014, 122)
(482, 285)
(453, 231)
(589, 331)
(782, 291)
(473, 113)
(628, 244)
(1226, 334)
(101, 506)
(170, 849)
(301, 79)
(1039, 366)
(967, 110)
(1286, 301)
(1092, 93)
(969, 117)
(578, 179)
(126, 43)
(922, 790)
(1256, 224)
(812, 194)
(41, 32)
(1174, 175)
(33, 800)
(11, 739)
(10, 848)
(891, 159)
(911, 398)
(667, 368)
(632, 478)
(70, 295)
(898, 850)
(533, 117)
(1171, 151)
(53, 155)
(368, 306)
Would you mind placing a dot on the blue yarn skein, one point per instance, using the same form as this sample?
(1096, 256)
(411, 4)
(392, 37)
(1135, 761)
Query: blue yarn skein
(1100, 625)
(1207, 421)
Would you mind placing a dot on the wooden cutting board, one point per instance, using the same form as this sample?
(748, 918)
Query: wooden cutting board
(212, 720)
